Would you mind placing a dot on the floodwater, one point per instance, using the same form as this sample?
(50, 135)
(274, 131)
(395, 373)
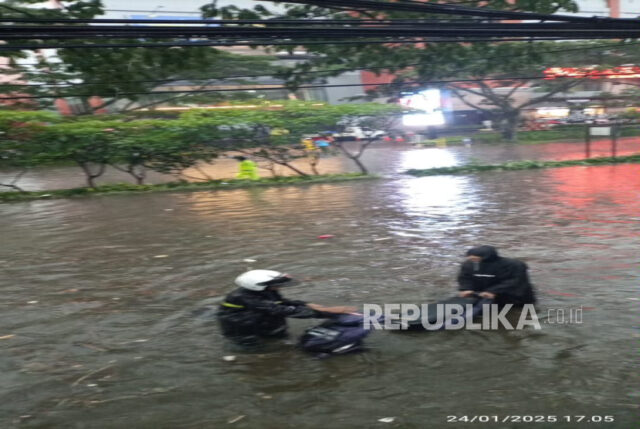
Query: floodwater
(380, 157)
(102, 322)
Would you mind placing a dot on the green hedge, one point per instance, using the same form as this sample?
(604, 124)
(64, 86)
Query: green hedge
(564, 132)
(522, 165)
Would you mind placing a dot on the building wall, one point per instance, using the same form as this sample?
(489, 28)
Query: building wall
(593, 7)
(629, 8)
(118, 8)
(126, 8)
(339, 95)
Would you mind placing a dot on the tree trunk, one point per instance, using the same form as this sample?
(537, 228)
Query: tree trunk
(199, 170)
(509, 129)
(86, 107)
(89, 174)
(271, 166)
(12, 184)
(360, 165)
(291, 167)
(314, 159)
(355, 159)
(280, 162)
(140, 176)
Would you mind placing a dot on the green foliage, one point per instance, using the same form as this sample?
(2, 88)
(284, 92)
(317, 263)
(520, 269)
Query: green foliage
(560, 133)
(81, 142)
(255, 127)
(120, 74)
(630, 114)
(426, 62)
(297, 117)
(10, 119)
(17, 133)
(522, 165)
(165, 147)
(171, 146)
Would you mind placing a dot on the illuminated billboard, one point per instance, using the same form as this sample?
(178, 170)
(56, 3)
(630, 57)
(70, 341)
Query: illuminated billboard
(429, 105)
(620, 72)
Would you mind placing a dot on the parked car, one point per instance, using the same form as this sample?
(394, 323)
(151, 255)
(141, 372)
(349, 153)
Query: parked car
(587, 119)
(359, 133)
(577, 119)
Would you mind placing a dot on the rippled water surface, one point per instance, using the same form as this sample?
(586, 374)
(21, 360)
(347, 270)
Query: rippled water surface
(103, 297)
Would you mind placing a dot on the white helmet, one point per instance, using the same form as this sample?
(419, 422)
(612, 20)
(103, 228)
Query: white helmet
(260, 279)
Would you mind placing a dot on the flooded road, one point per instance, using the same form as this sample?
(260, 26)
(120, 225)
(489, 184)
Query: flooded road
(381, 158)
(102, 324)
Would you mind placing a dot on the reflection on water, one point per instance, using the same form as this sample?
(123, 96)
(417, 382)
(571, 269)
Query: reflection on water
(428, 158)
(440, 194)
(587, 193)
(103, 297)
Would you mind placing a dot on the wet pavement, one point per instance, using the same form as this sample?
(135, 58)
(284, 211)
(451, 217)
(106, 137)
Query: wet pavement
(102, 321)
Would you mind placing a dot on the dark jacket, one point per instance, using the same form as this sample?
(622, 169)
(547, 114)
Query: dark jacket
(246, 313)
(507, 278)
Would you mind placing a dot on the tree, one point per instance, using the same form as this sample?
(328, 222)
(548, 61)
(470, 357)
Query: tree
(339, 117)
(249, 131)
(507, 64)
(123, 76)
(88, 144)
(253, 132)
(17, 150)
(168, 147)
(174, 145)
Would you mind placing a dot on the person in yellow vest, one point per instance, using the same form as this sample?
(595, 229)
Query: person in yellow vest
(309, 145)
(248, 170)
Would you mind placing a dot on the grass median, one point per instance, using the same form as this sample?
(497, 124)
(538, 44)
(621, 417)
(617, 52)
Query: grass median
(523, 165)
(127, 188)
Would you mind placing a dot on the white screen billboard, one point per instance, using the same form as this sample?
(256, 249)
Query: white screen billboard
(429, 105)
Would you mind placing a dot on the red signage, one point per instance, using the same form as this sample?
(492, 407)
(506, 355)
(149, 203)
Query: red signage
(620, 72)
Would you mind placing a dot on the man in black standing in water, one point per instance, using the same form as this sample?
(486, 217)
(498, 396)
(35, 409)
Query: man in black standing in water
(489, 275)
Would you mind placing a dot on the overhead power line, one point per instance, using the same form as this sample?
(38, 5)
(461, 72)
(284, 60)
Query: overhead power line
(299, 34)
(303, 27)
(620, 45)
(435, 8)
(327, 72)
(198, 12)
(156, 11)
(261, 43)
(205, 21)
(273, 88)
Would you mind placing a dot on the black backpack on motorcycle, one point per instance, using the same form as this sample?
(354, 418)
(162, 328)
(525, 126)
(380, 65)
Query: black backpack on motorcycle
(343, 333)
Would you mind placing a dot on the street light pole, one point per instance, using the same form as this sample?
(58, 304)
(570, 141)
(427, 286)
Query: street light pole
(587, 147)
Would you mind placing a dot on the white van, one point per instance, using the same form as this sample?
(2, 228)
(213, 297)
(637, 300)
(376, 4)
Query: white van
(360, 133)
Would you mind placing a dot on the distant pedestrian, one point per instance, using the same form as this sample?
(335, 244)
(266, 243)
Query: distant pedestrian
(248, 170)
